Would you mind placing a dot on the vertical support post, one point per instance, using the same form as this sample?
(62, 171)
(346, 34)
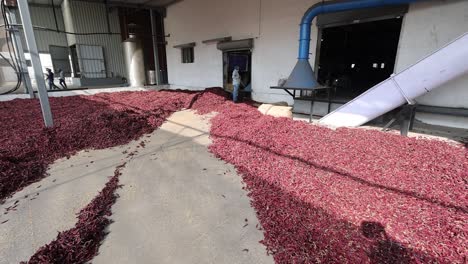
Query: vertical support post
(36, 62)
(55, 16)
(412, 117)
(318, 52)
(107, 17)
(408, 113)
(311, 106)
(18, 44)
(154, 31)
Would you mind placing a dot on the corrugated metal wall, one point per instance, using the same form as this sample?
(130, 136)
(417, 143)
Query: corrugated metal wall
(92, 61)
(85, 17)
(43, 16)
(91, 17)
(7, 74)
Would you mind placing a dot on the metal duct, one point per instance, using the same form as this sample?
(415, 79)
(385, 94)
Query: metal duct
(303, 76)
(134, 62)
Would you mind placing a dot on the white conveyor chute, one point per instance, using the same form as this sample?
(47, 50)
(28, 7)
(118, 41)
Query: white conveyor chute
(429, 73)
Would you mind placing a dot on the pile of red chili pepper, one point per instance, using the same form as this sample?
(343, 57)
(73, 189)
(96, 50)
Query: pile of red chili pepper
(347, 195)
(81, 122)
(321, 195)
(81, 243)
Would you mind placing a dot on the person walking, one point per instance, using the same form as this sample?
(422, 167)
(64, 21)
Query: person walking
(50, 79)
(236, 80)
(62, 79)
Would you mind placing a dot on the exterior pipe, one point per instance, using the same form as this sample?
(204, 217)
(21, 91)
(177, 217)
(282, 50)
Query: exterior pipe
(323, 8)
(302, 76)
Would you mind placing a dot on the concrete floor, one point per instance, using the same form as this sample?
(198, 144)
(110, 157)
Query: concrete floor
(49, 206)
(178, 203)
(63, 93)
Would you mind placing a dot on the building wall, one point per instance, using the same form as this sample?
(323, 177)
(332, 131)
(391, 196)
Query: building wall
(43, 16)
(7, 74)
(274, 25)
(73, 16)
(194, 21)
(427, 27)
(88, 17)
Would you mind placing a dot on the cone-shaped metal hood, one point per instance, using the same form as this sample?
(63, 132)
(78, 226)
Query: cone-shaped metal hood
(302, 77)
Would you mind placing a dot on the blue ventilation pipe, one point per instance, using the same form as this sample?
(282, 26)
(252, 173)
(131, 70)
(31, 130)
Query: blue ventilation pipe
(302, 76)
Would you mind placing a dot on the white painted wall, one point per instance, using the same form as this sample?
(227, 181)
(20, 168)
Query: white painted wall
(277, 48)
(427, 27)
(274, 25)
(198, 20)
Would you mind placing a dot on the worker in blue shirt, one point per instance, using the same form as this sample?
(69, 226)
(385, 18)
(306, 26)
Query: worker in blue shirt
(50, 79)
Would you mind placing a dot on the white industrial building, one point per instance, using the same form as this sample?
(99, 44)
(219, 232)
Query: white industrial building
(193, 44)
(274, 27)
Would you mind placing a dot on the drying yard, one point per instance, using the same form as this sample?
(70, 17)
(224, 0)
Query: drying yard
(190, 177)
(113, 149)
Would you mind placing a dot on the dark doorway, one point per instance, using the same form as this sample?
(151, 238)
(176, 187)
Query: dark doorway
(140, 21)
(243, 59)
(74, 60)
(355, 57)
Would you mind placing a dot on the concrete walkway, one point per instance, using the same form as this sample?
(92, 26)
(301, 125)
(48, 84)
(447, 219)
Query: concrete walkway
(49, 206)
(178, 204)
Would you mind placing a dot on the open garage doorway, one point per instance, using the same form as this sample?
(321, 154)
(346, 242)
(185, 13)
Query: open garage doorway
(241, 59)
(354, 57)
(148, 25)
(237, 53)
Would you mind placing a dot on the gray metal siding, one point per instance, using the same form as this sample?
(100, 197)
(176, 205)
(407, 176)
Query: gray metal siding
(60, 59)
(44, 17)
(91, 17)
(92, 61)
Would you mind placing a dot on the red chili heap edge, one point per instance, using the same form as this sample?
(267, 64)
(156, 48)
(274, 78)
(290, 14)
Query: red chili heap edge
(81, 243)
(347, 195)
(81, 122)
(344, 196)
(99, 121)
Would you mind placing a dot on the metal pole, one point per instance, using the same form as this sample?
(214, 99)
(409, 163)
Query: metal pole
(35, 60)
(18, 44)
(107, 17)
(157, 68)
(55, 16)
